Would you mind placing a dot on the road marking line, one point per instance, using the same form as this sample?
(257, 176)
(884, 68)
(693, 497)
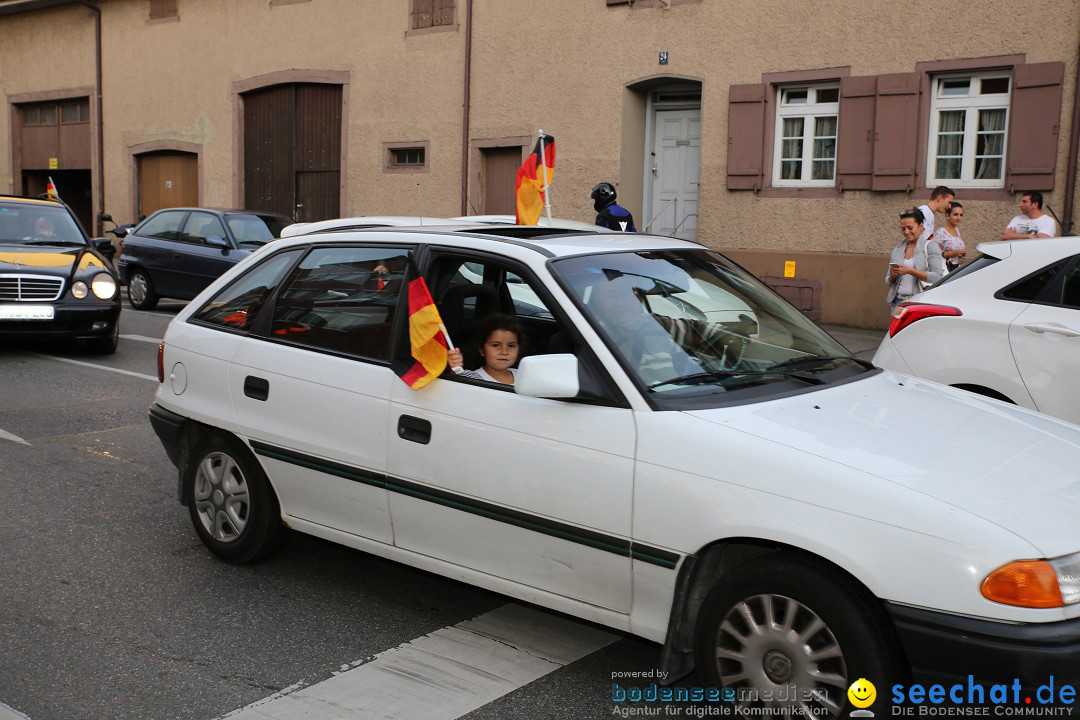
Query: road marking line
(93, 365)
(142, 338)
(444, 675)
(14, 438)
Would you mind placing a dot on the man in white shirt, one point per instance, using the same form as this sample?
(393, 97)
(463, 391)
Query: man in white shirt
(940, 200)
(1032, 222)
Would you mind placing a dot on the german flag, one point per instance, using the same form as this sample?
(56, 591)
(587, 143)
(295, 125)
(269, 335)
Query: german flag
(427, 358)
(531, 182)
(50, 191)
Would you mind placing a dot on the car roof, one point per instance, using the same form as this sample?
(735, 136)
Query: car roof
(29, 200)
(564, 244)
(1051, 247)
(543, 222)
(365, 221)
(223, 211)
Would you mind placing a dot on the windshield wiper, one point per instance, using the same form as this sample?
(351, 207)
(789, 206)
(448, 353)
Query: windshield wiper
(716, 374)
(55, 242)
(811, 361)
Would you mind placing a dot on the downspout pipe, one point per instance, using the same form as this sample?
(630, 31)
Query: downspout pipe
(1074, 151)
(465, 111)
(98, 226)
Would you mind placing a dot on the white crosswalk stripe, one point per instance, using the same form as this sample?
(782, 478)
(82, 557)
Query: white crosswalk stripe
(93, 365)
(444, 675)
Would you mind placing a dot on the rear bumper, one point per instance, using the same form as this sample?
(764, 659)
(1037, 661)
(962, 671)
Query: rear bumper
(70, 321)
(169, 428)
(946, 649)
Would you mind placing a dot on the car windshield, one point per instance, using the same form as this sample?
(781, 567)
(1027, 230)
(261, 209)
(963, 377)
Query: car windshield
(691, 321)
(38, 224)
(255, 229)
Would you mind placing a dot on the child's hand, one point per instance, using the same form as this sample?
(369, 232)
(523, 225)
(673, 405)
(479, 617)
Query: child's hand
(453, 358)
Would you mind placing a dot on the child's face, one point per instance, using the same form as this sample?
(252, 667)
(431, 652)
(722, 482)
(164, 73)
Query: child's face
(500, 350)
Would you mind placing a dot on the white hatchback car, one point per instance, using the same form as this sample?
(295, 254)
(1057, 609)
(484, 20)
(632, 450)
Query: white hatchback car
(744, 490)
(1006, 325)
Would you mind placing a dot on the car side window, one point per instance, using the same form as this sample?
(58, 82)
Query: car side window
(1028, 289)
(165, 226)
(343, 300)
(237, 306)
(1070, 291)
(200, 226)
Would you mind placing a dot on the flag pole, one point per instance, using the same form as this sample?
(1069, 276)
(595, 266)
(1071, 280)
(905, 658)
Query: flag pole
(450, 345)
(543, 163)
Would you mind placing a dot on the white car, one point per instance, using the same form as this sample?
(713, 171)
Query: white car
(542, 222)
(1006, 325)
(364, 222)
(747, 493)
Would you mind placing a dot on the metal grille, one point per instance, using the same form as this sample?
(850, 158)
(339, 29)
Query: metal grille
(30, 288)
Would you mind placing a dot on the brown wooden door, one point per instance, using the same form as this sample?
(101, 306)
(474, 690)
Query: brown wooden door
(499, 168)
(168, 179)
(292, 150)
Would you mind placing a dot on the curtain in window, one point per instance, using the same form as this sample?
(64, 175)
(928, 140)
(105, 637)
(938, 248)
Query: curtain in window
(791, 149)
(950, 144)
(990, 146)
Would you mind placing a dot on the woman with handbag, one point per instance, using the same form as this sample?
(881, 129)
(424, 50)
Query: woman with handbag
(912, 265)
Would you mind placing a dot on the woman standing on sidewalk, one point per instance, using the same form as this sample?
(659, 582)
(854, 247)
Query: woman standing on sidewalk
(948, 237)
(912, 264)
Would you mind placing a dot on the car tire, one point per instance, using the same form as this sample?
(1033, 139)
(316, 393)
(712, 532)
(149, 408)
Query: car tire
(232, 505)
(106, 345)
(786, 619)
(140, 291)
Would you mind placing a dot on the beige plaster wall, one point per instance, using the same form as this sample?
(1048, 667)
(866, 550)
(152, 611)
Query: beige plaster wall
(39, 52)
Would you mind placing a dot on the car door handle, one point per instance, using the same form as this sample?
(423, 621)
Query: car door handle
(256, 388)
(414, 429)
(1052, 328)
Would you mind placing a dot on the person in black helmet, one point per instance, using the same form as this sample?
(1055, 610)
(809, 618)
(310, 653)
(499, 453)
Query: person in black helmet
(609, 214)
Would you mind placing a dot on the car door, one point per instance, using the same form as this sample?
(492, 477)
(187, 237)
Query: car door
(311, 389)
(196, 263)
(151, 247)
(1045, 340)
(531, 490)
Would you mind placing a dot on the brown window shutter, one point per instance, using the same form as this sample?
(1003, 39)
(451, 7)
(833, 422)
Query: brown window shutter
(1034, 117)
(422, 13)
(746, 136)
(157, 9)
(444, 12)
(170, 8)
(896, 132)
(855, 146)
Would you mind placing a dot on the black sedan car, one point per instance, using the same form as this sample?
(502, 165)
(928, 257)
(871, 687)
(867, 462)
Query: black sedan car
(54, 282)
(177, 252)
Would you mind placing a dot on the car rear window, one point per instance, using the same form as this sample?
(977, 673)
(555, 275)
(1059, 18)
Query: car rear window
(255, 229)
(978, 263)
(1028, 289)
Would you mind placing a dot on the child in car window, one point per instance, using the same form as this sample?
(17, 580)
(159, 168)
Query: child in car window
(499, 345)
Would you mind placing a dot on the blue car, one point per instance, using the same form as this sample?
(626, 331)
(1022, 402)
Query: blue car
(177, 252)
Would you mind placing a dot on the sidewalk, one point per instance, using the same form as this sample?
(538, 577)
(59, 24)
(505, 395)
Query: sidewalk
(862, 343)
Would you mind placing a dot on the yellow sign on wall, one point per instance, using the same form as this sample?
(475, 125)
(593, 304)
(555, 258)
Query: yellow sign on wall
(54, 163)
(789, 268)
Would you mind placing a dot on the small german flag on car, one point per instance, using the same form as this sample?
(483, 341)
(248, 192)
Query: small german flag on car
(427, 336)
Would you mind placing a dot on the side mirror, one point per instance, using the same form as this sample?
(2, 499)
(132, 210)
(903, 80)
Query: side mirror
(216, 241)
(105, 247)
(121, 232)
(548, 376)
(106, 217)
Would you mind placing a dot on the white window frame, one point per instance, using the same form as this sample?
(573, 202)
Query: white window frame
(971, 104)
(809, 111)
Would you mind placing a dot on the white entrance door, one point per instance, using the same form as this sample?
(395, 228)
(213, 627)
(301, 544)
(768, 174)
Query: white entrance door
(677, 144)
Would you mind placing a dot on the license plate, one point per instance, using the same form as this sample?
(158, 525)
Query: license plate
(26, 312)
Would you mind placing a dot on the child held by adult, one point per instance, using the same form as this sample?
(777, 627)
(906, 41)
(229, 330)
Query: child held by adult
(499, 346)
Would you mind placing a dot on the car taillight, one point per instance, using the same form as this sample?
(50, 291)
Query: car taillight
(907, 313)
(161, 362)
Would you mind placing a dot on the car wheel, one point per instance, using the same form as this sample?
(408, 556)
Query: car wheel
(783, 620)
(232, 505)
(140, 291)
(106, 345)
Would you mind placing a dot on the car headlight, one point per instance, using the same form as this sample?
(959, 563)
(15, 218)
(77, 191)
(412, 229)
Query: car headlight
(79, 290)
(1036, 583)
(104, 286)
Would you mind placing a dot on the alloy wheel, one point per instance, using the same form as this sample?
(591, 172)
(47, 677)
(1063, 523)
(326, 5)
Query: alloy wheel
(222, 500)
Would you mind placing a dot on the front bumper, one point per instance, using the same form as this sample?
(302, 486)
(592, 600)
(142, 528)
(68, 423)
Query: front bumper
(70, 321)
(947, 649)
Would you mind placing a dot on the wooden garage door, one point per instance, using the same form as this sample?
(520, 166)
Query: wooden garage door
(500, 166)
(168, 179)
(292, 150)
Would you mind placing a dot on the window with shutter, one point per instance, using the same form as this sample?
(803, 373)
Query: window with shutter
(444, 13)
(163, 9)
(804, 147)
(968, 117)
(746, 136)
(422, 13)
(1033, 128)
(896, 125)
(855, 145)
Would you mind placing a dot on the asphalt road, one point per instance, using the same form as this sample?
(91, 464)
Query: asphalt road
(110, 607)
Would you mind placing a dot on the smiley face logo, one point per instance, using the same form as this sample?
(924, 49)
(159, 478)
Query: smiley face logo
(862, 693)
